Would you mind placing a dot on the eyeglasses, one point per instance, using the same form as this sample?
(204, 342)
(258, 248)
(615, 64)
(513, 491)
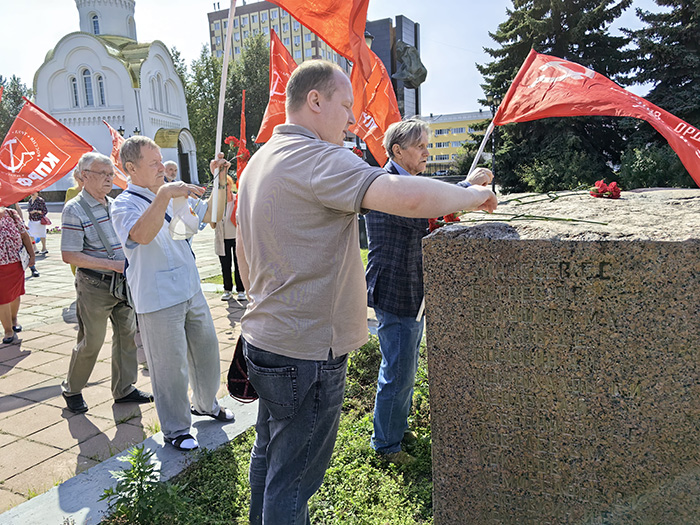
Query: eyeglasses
(105, 174)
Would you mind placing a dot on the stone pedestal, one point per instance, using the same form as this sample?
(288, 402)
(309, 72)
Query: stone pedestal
(564, 375)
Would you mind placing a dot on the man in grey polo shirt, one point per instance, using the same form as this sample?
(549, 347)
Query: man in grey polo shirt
(299, 255)
(82, 246)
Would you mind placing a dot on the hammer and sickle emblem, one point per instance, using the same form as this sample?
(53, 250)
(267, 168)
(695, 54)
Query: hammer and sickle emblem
(277, 85)
(15, 163)
(565, 71)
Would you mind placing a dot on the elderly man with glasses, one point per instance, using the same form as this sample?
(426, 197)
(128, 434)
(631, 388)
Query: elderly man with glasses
(89, 242)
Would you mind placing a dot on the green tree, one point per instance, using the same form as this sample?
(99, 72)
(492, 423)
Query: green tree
(11, 102)
(249, 72)
(667, 56)
(556, 153)
(252, 74)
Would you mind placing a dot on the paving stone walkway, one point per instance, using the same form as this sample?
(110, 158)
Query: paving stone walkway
(42, 444)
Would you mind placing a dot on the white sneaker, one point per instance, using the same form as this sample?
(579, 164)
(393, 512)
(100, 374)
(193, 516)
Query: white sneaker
(242, 297)
(227, 296)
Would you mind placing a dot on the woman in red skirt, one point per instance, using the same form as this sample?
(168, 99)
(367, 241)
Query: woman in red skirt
(13, 235)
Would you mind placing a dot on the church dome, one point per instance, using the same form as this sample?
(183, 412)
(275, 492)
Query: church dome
(107, 17)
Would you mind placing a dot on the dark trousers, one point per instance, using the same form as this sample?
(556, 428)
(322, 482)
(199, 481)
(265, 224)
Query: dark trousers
(229, 255)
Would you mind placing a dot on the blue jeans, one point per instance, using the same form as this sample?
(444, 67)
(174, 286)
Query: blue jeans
(298, 416)
(399, 342)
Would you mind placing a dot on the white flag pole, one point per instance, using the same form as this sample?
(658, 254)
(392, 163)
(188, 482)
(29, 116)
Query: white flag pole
(222, 99)
(489, 130)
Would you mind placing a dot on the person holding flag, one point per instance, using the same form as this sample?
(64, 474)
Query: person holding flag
(176, 326)
(299, 256)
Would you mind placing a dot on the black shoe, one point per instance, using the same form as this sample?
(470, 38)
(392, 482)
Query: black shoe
(76, 403)
(17, 328)
(136, 396)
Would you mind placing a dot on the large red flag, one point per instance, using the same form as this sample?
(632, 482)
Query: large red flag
(375, 106)
(37, 151)
(548, 86)
(281, 66)
(341, 23)
(117, 141)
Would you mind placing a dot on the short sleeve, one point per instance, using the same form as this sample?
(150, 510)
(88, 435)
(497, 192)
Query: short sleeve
(340, 180)
(124, 215)
(72, 229)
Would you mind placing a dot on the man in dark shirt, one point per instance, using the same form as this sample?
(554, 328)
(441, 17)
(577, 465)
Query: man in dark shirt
(395, 291)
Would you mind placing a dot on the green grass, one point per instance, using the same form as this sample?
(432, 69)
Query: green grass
(358, 488)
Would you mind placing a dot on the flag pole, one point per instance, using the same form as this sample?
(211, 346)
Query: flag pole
(489, 130)
(222, 99)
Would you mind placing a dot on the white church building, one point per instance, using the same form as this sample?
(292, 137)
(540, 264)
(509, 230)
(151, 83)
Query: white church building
(103, 73)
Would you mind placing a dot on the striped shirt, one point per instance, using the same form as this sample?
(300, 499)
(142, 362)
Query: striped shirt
(78, 234)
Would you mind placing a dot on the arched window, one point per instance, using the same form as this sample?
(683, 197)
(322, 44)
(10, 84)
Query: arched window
(87, 88)
(101, 99)
(159, 82)
(74, 98)
(95, 24)
(154, 93)
(132, 28)
(166, 95)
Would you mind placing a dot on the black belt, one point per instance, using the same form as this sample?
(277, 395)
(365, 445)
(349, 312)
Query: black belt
(96, 275)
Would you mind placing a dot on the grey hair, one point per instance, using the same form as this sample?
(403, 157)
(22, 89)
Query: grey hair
(311, 74)
(131, 149)
(169, 163)
(405, 133)
(86, 162)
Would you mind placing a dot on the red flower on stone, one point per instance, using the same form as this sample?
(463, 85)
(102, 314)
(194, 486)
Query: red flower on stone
(606, 191)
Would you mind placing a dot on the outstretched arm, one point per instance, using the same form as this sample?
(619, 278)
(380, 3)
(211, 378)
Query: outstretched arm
(422, 197)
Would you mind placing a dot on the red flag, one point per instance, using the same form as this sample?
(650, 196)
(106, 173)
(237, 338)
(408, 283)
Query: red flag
(281, 66)
(341, 23)
(375, 103)
(548, 86)
(37, 151)
(117, 141)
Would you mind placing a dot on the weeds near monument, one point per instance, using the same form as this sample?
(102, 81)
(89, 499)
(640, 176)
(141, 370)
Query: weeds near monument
(138, 498)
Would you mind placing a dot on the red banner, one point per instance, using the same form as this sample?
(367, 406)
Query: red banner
(341, 23)
(281, 66)
(117, 141)
(548, 86)
(375, 103)
(37, 151)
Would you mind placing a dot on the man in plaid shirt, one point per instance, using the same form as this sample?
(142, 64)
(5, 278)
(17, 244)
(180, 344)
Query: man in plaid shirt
(395, 291)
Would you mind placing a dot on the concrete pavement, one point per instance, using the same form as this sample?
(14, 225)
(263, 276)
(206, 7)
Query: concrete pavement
(42, 444)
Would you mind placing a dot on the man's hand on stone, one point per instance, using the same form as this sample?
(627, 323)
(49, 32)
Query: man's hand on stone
(490, 202)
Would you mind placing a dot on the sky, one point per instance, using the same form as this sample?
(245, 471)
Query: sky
(453, 35)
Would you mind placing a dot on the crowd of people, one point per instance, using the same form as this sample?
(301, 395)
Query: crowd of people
(289, 242)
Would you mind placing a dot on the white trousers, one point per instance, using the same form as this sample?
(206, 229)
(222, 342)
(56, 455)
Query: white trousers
(181, 348)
